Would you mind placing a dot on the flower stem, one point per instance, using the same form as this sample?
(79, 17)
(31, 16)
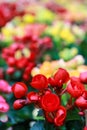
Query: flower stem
(63, 91)
(57, 128)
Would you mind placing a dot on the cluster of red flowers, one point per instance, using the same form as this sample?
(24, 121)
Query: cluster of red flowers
(48, 98)
(8, 11)
(24, 53)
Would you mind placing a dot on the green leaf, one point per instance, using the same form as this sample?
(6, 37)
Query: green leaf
(63, 127)
(64, 98)
(74, 125)
(49, 126)
(2, 62)
(73, 115)
(20, 115)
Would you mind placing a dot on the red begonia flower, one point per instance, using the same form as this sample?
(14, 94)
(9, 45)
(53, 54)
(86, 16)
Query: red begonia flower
(75, 87)
(50, 102)
(39, 82)
(60, 77)
(60, 116)
(81, 101)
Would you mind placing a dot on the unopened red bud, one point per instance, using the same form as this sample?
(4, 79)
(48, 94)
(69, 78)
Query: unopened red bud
(39, 82)
(33, 96)
(60, 116)
(18, 104)
(19, 89)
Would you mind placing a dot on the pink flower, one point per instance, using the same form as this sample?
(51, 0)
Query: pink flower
(4, 106)
(5, 87)
(83, 77)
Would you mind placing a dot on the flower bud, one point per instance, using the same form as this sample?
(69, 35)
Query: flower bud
(39, 82)
(18, 104)
(60, 116)
(32, 96)
(19, 89)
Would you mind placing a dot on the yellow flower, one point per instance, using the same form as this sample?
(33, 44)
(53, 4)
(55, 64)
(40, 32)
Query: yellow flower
(28, 18)
(7, 32)
(55, 29)
(67, 35)
(74, 73)
(35, 71)
(46, 69)
(44, 15)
